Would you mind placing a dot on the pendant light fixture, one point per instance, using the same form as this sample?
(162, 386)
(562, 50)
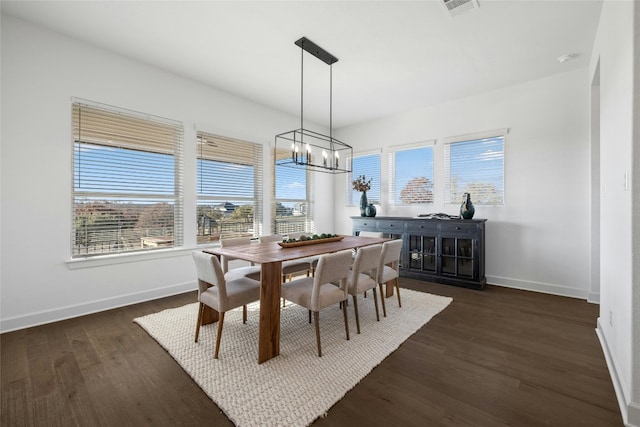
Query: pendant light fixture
(303, 148)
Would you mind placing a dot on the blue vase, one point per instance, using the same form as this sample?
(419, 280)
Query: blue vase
(371, 210)
(466, 209)
(363, 204)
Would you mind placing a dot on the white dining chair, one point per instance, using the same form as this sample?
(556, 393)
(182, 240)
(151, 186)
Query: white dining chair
(251, 271)
(221, 294)
(319, 292)
(364, 277)
(389, 268)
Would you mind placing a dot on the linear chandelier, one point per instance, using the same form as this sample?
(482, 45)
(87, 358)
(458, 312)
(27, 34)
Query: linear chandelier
(308, 149)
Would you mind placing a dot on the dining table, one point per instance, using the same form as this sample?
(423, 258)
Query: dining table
(270, 256)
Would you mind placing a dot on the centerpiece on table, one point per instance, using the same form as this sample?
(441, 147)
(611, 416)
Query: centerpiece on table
(361, 184)
(310, 240)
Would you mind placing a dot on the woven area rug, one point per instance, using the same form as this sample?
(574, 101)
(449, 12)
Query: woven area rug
(296, 387)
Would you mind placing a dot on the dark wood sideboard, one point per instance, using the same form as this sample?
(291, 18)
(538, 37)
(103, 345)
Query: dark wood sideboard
(449, 251)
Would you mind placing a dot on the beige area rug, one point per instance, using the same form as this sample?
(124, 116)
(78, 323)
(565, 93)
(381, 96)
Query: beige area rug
(296, 387)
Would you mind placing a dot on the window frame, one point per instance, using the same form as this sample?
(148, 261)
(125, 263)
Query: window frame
(392, 170)
(309, 220)
(224, 152)
(470, 138)
(121, 135)
(352, 196)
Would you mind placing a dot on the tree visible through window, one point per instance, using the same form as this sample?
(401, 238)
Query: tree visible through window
(475, 166)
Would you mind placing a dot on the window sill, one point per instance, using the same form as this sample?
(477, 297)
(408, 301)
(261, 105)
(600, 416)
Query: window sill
(103, 260)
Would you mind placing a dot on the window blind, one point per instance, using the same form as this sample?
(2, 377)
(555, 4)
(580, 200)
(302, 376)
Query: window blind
(229, 188)
(293, 195)
(127, 184)
(475, 164)
(411, 174)
(369, 166)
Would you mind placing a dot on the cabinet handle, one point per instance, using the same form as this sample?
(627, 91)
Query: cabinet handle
(458, 228)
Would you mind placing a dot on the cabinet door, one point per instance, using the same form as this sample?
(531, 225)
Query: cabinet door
(422, 253)
(458, 257)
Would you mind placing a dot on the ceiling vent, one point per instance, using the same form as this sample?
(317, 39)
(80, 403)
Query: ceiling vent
(458, 7)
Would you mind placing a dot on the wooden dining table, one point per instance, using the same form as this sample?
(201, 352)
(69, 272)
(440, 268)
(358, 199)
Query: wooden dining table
(270, 256)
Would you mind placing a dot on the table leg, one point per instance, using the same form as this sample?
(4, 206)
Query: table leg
(209, 315)
(269, 338)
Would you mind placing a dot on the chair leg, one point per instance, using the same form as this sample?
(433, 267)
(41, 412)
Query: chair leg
(316, 316)
(244, 314)
(200, 313)
(384, 308)
(219, 337)
(346, 320)
(375, 302)
(398, 291)
(309, 316)
(355, 307)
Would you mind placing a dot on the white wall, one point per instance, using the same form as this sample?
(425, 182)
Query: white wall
(41, 72)
(619, 321)
(540, 238)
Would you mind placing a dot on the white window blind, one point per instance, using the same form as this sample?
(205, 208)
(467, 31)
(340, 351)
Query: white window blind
(127, 185)
(229, 187)
(411, 174)
(474, 164)
(293, 195)
(369, 166)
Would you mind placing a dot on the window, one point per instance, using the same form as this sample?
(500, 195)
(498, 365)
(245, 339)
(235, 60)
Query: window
(292, 208)
(229, 180)
(475, 164)
(127, 184)
(411, 170)
(369, 166)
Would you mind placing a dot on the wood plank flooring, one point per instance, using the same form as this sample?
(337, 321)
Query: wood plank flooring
(496, 357)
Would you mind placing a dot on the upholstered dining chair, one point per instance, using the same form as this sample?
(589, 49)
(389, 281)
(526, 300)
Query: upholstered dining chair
(319, 292)
(250, 271)
(371, 234)
(313, 260)
(364, 277)
(389, 268)
(289, 268)
(220, 294)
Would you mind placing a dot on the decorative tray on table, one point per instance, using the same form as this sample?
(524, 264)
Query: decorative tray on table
(292, 243)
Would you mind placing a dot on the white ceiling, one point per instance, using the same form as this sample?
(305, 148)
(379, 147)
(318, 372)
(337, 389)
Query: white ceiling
(393, 55)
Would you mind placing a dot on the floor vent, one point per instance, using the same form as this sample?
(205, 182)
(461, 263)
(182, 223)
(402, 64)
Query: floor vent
(458, 7)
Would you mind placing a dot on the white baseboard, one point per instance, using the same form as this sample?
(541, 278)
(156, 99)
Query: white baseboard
(68, 312)
(630, 410)
(547, 288)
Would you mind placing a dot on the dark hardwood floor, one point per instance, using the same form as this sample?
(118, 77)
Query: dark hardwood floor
(492, 358)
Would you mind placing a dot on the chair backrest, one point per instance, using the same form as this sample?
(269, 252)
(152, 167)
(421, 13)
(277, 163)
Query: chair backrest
(371, 234)
(270, 238)
(231, 241)
(209, 273)
(332, 268)
(390, 254)
(366, 261)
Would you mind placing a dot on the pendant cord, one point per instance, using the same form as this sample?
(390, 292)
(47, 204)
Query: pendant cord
(301, 88)
(331, 102)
